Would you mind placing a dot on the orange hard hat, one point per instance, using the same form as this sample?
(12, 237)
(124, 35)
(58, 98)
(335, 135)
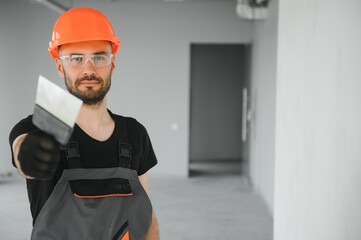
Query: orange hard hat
(81, 24)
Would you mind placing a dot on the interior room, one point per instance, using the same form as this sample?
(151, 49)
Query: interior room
(251, 106)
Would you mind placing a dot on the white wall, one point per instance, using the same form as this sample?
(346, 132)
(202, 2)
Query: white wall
(318, 130)
(263, 101)
(151, 82)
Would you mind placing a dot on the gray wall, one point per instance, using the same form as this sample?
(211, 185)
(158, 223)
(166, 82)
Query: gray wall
(263, 102)
(151, 82)
(318, 116)
(23, 41)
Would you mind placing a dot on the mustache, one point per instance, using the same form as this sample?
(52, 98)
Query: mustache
(88, 78)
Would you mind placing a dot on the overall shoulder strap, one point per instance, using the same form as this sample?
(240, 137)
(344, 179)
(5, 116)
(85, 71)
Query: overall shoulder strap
(124, 148)
(72, 154)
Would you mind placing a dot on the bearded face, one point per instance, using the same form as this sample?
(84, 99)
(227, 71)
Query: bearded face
(90, 95)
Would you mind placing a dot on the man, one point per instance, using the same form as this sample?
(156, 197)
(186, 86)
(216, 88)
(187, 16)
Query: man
(92, 188)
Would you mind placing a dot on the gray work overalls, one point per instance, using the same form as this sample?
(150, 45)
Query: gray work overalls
(99, 204)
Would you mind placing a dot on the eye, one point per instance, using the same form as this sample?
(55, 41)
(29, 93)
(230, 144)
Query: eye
(76, 58)
(98, 58)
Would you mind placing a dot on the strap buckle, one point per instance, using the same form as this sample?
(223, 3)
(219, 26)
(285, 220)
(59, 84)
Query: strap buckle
(125, 150)
(72, 150)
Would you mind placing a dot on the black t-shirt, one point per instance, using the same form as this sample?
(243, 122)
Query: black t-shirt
(93, 154)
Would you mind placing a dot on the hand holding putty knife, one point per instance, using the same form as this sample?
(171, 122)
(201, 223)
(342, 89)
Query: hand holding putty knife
(55, 110)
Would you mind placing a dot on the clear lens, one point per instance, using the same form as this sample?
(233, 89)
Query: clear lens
(79, 60)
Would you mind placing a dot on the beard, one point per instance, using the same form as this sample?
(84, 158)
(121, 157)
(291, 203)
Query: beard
(90, 96)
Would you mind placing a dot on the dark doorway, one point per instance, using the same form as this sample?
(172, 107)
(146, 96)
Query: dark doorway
(219, 77)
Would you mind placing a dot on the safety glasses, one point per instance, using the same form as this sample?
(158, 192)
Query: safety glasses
(80, 60)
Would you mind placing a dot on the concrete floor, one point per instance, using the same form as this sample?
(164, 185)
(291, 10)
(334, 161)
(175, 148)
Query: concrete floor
(205, 206)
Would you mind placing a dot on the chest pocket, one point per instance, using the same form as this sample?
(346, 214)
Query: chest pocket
(100, 188)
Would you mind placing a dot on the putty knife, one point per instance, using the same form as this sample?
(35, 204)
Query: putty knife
(55, 110)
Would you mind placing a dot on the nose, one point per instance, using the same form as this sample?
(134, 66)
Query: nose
(89, 68)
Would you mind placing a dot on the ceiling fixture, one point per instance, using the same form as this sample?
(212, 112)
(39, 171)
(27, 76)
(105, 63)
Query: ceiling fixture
(252, 9)
(54, 6)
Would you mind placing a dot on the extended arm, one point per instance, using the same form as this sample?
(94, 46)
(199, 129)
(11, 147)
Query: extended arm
(16, 147)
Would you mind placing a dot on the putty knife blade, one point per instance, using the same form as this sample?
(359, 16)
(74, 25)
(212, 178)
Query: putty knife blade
(55, 110)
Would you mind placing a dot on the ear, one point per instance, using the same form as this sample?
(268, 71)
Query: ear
(59, 67)
(113, 64)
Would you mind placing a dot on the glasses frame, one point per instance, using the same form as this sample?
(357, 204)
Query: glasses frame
(88, 57)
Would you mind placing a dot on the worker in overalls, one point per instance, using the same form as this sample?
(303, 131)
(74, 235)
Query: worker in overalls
(95, 187)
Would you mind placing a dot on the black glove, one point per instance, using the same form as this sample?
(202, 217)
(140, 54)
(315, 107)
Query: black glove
(39, 155)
